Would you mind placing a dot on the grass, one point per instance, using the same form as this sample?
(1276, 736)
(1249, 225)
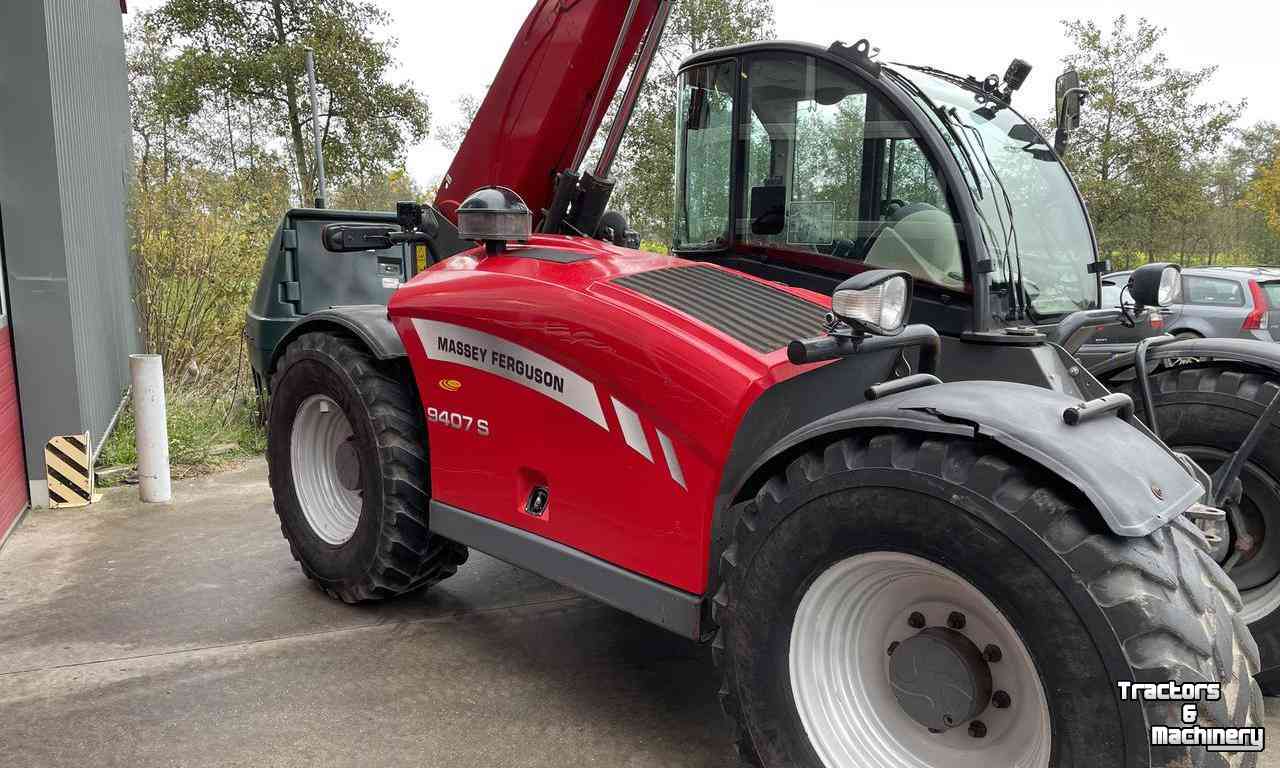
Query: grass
(205, 433)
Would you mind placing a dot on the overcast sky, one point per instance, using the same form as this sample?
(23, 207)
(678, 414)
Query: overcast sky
(447, 49)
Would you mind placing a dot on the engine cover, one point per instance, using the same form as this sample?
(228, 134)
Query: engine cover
(612, 379)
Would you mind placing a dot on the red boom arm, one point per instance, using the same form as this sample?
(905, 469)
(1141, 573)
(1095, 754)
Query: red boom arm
(543, 103)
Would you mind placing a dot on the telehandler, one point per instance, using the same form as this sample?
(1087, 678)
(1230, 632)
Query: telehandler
(838, 434)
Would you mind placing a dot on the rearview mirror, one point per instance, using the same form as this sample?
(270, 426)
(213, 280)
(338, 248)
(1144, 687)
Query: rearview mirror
(348, 238)
(1155, 285)
(1069, 96)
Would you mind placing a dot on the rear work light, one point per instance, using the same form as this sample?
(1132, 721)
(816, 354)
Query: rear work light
(1257, 319)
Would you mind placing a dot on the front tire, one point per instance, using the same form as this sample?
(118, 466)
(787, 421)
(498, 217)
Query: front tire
(346, 456)
(1033, 570)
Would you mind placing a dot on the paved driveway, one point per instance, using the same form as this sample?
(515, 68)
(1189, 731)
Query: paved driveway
(184, 634)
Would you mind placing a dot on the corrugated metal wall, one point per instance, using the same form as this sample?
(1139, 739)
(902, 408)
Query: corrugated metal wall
(64, 154)
(91, 133)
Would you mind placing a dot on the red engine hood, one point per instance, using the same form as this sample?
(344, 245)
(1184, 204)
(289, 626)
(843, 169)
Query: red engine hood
(617, 377)
(748, 320)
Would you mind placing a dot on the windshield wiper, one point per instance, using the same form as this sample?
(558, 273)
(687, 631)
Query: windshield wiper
(1020, 307)
(950, 122)
(919, 93)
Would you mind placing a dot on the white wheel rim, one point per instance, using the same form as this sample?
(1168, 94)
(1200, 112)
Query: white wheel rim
(331, 509)
(839, 666)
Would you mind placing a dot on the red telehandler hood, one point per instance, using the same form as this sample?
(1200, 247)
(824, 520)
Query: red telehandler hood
(540, 105)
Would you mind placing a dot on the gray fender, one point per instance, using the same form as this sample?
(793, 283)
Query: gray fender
(1263, 354)
(1136, 484)
(368, 322)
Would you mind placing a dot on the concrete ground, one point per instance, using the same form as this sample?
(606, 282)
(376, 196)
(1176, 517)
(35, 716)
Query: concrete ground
(184, 634)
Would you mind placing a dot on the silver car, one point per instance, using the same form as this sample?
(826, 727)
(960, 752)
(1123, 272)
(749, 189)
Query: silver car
(1218, 302)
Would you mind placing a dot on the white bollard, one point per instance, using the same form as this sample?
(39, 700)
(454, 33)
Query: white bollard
(151, 434)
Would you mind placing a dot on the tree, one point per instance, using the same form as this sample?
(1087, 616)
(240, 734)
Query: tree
(1264, 194)
(451, 135)
(646, 161)
(1143, 132)
(244, 59)
(378, 192)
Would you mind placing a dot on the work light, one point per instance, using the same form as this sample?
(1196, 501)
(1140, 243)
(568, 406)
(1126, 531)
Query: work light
(494, 215)
(874, 302)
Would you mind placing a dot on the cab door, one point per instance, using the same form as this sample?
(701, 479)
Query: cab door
(825, 179)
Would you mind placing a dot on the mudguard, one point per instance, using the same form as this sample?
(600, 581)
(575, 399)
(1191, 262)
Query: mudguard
(368, 322)
(1136, 484)
(1250, 351)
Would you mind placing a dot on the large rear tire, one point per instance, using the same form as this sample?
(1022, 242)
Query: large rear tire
(1205, 411)
(346, 454)
(944, 526)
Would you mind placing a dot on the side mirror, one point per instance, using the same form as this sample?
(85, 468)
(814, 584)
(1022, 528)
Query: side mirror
(874, 302)
(1155, 285)
(1070, 97)
(348, 238)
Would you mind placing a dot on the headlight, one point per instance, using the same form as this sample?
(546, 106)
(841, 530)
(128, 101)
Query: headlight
(874, 302)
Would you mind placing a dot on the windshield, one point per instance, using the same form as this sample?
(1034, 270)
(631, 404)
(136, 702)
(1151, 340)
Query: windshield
(1028, 207)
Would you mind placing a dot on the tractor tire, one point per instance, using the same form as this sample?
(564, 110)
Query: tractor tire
(861, 548)
(1205, 411)
(347, 460)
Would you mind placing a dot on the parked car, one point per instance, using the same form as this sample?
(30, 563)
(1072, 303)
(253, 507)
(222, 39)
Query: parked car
(1217, 302)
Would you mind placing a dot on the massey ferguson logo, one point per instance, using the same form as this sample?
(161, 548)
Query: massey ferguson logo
(450, 385)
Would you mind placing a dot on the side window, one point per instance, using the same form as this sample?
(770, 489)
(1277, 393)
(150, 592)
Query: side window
(1212, 291)
(704, 156)
(834, 176)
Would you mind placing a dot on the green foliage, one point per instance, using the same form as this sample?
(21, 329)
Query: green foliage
(379, 192)
(646, 162)
(1163, 169)
(1264, 195)
(241, 62)
(204, 431)
(655, 246)
(199, 237)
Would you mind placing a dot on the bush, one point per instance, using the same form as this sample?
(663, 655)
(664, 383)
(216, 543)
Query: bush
(204, 433)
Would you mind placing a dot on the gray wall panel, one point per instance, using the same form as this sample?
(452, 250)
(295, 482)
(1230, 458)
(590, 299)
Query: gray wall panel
(91, 130)
(64, 154)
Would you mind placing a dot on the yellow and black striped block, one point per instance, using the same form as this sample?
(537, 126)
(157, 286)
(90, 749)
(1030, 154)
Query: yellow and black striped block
(68, 470)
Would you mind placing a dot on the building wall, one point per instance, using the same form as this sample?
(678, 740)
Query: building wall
(13, 480)
(91, 132)
(63, 160)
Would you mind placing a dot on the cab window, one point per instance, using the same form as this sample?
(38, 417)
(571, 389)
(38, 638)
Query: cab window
(704, 155)
(835, 179)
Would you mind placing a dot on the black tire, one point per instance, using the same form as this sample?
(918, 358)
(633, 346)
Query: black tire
(1205, 410)
(1092, 608)
(392, 550)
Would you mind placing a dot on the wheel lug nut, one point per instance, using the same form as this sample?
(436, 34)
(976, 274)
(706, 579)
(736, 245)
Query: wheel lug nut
(1001, 700)
(956, 620)
(992, 654)
(893, 647)
(977, 729)
(916, 620)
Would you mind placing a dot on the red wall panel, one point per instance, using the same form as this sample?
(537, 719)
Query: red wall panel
(13, 475)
